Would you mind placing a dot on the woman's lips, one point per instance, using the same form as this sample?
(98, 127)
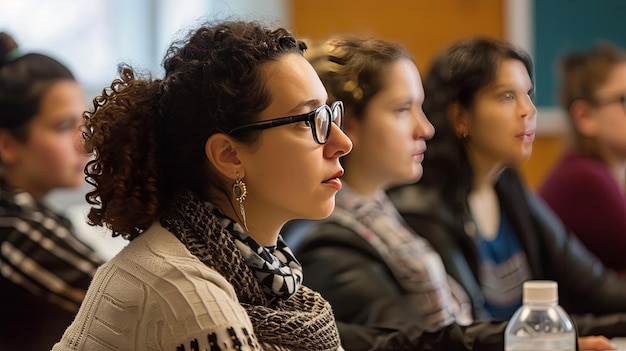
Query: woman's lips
(527, 135)
(334, 181)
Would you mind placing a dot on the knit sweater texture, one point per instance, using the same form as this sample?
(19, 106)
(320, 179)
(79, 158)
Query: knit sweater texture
(155, 295)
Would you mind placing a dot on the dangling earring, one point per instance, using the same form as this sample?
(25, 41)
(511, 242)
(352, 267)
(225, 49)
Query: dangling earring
(240, 192)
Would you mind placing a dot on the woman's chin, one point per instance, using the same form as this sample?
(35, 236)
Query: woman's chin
(324, 211)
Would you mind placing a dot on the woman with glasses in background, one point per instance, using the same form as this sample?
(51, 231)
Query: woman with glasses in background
(587, 188)
(199, 171)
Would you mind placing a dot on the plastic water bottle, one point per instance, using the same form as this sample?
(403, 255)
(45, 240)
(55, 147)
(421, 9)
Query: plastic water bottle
(540, 324)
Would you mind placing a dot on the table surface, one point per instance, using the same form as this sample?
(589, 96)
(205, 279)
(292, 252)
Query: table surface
(620, 343)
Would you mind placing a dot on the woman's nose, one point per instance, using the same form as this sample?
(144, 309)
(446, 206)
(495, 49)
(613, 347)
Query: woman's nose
(528, 108)
(338, 143)
(423, 128)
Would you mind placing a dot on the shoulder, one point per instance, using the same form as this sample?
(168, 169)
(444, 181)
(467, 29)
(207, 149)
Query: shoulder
(417, 199)
(526, 206)
(157, 269)
(157, 259)
(425, 210)
(154, 285)
(576, 170)
(307, 236)
(512, 190)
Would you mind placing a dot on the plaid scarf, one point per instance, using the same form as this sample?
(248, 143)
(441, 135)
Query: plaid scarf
(416, 266)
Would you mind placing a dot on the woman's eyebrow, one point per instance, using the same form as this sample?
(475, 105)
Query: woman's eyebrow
(313, 103)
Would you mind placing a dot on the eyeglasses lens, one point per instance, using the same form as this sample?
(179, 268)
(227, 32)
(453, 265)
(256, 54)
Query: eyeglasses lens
(322, 124)
(338, 114)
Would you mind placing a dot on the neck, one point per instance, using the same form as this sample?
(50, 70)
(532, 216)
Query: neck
(20, 181)
(486, 171)
(261, 227)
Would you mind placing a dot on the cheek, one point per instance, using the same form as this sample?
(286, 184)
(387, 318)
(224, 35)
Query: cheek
(385, 137)
(614, 126)
(614, 133)
(56, 154)
(285, 171)
(492, 130)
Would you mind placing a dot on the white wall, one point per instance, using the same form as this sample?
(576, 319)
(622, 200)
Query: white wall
(93, 37)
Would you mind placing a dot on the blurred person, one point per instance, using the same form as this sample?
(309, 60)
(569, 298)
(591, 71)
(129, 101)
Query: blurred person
(472, 205)
(388, 287)
(44, 269)
(587, 187)
(199, 171)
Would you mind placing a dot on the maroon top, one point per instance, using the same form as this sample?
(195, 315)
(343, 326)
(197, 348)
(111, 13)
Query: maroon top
(586, 197)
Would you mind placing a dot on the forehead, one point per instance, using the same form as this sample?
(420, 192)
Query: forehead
(400, 75)
(291, 81)
(616, 80)
(62, 92)
(511, 72)
(65, 96)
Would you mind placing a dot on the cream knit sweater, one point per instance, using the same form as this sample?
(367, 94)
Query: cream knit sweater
(155, 295)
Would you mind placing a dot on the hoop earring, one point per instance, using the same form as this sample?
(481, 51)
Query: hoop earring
(240, 192)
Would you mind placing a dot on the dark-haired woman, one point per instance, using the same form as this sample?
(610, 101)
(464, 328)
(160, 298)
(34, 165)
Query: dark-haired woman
(44, 269)
(472, 205)
(387, 285)
(200, 170)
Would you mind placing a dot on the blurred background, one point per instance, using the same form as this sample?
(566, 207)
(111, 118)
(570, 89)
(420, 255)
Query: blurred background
(93, 36)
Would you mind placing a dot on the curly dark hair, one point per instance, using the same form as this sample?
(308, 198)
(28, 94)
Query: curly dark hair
(456, 76)
(148, 135)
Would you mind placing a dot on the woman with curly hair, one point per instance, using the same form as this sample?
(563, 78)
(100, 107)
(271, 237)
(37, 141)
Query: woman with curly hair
(44, 269)
(199, 171)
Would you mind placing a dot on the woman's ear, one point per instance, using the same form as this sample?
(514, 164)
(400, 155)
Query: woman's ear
(9, 147)
(459, 120)
(222, 152)
(583, 118)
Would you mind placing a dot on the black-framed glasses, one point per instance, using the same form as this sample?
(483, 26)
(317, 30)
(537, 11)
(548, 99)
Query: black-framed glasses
(319, 120)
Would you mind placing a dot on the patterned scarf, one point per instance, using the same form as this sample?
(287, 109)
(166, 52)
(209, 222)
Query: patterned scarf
(278, 271)
(285, 315)
(416, 266)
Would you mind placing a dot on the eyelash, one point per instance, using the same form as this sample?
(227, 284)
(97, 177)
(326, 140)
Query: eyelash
(530, 93)
(403, 109)
(66, 125)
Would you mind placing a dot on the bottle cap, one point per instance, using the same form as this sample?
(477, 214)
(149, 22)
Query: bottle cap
(540, 291)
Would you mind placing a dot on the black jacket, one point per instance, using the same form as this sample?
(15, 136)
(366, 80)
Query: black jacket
(371, 308)
(585, 285)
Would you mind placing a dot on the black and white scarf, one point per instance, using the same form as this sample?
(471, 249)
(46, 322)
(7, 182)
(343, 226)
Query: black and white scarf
(278, 271)
(284, 314)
